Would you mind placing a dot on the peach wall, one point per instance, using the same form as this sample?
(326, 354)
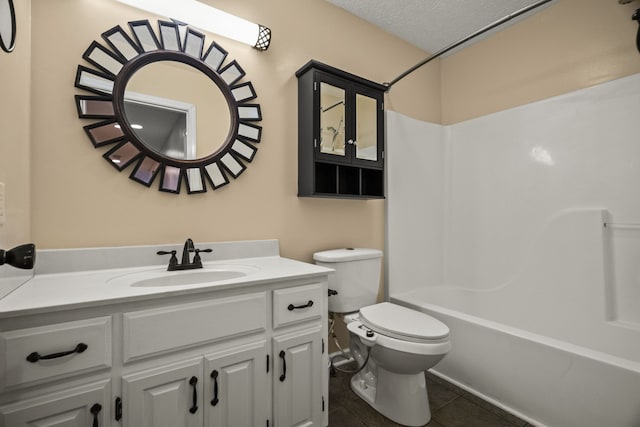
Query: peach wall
(14, 132)
(569, 45)
(79, 200)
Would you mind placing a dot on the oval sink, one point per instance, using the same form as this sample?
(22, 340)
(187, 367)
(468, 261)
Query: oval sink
(159, 278)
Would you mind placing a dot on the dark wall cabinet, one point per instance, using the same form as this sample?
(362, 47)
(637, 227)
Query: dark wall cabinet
(340, 134)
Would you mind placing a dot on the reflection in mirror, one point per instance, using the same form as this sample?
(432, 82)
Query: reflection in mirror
(104, 133)
(332, 136)
(145, 36)
(122, 155)
(175, 120)
(243, 92)
(103, 59)
(231, 73)
(94, 81)
(169, 36)
(145, 171)
(250, 112)
(169, 109)
(7, 25)
(216, 176)
(366, 128)
(194, 181)
(121, 43)
(171, 179)
(94, 107)
(194, 44)
(248, 131)
(232, 165)
(215, 56)
(244, 150)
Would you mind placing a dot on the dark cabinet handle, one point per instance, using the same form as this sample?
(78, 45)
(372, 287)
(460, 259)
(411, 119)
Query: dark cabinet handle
(194, 381)
(35, 356)
(215, 400)
(292, 307)
(284, 366)
(95, 410)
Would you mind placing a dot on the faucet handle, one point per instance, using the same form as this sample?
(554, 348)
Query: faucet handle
(196, 258)
(173, 260)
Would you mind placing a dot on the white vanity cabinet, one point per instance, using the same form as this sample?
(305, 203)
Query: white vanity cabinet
(200, 359)
(228, 388)
(297, 383)
(75, 407)
(238, 386)
(298, 349)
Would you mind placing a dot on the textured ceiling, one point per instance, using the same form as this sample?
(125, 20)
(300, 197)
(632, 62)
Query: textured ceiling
(434, 24)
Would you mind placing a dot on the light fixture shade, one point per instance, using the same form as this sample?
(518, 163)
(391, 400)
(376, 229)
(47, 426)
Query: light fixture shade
(208, 18)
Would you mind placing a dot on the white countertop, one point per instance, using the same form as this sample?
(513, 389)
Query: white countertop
(74, 288)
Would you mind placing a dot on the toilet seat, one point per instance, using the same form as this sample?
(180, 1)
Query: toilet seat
(403, 323)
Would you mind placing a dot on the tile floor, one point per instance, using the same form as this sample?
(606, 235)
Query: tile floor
(450, 407)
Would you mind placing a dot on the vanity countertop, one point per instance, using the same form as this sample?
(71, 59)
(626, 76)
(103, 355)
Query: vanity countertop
(71, 287)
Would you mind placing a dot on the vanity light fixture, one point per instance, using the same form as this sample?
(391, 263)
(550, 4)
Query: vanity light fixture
(208, 18)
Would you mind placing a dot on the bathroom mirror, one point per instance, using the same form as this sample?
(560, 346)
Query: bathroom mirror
(7, 25)
(168, 107)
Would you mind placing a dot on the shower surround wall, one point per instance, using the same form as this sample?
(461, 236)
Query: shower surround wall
(495, 226)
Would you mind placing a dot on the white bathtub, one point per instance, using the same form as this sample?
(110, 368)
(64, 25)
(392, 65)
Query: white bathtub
(543, 381)
(495, 227)
(550, 344)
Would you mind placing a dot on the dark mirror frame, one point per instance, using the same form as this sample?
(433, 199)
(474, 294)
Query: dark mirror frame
(12, 43)
(144, 48)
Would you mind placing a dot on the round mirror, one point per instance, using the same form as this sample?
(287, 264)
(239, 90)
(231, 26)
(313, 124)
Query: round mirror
(168, 107)
(7, 25)
(187, 120)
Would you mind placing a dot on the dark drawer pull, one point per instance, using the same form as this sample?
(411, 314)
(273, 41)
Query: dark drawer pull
(294, 307)
(215, 399)
(284, 366)
(194, 408)
(95, 410)
(35, 356)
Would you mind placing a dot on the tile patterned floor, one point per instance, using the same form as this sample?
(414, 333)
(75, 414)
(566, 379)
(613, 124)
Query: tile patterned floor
(450, 407)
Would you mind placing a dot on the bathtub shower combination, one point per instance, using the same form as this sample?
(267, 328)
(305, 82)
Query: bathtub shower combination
(525, 241)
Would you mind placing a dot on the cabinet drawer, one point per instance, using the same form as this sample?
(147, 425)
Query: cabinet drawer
(149, 332)
(56, 350)
(297, 304)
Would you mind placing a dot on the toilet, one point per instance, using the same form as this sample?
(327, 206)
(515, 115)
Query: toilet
(396, 343)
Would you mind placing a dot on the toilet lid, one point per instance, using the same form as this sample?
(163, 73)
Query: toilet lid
(402, 323)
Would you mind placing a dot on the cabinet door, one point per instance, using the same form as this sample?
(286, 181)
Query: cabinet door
(368, 129)
(237, 389)
(332, 135)
(170, 396)
(77, 407)
(297, 378)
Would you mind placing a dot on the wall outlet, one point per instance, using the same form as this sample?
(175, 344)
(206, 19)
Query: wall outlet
(2, 214)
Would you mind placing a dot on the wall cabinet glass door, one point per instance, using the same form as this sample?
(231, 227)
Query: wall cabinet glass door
(349, 116)
(340, 134)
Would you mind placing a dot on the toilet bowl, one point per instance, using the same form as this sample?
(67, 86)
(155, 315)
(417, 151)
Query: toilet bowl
(402, 344)
(393, 345)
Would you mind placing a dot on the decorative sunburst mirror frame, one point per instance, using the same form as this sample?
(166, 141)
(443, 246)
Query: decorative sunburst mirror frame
(116, 64)
(7, 26)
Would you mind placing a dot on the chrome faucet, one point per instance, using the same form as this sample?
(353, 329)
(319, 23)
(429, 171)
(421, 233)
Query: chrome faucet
(185, 263)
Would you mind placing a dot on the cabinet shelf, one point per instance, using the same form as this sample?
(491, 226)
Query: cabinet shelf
(340, 134)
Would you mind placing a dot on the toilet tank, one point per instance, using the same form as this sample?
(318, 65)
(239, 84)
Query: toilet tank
(356, 277)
